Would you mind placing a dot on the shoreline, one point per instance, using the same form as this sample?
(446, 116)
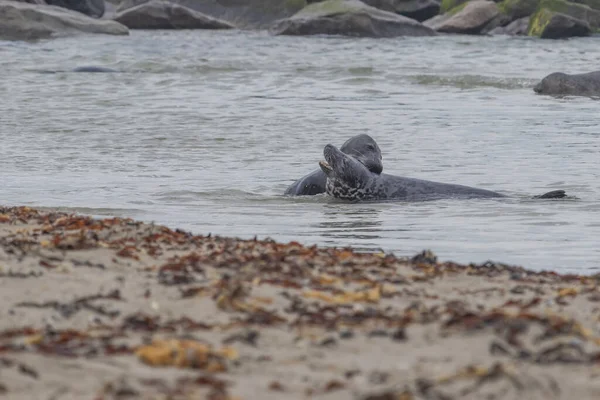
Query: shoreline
(113, 308)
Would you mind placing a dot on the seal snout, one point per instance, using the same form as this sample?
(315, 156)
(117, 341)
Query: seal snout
(326, 166)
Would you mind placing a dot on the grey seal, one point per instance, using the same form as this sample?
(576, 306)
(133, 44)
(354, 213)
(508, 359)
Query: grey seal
(559, 83)
(362, 147)
(349, 179)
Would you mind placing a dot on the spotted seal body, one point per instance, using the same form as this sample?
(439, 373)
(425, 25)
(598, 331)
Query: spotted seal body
(348, 179)
(362, 147)
(559, 83)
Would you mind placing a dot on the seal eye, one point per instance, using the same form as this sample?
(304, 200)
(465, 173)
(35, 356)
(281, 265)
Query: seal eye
(370, 147)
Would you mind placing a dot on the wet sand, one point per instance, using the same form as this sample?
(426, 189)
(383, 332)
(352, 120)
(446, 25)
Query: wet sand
(118, 309)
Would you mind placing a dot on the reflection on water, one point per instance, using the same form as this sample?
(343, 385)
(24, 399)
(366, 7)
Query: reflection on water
(358, 226)
(204, 130)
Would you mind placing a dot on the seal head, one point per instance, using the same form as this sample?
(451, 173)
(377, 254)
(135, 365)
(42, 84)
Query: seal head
(347, 177)
(364, 149)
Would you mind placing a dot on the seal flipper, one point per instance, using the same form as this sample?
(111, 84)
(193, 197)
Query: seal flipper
(555, 194)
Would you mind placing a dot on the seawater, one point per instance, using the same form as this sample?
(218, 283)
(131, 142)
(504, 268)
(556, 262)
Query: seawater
(204, 130)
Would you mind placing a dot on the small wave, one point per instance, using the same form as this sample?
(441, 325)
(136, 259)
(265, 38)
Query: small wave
(473, 81)
(187, 196)
(194, 69)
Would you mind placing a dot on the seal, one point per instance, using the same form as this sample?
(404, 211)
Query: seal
(559, 83)
(362, 147)
(349, 179)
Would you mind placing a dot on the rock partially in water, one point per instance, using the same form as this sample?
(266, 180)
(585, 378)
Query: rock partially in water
(246, 14)
(158, 14)
(558, 83)
(577, 11)
(471, 19)
(516, 28)
(548, 24)
(23, 21)
(349, 18)
(91, 8)
(420, 10)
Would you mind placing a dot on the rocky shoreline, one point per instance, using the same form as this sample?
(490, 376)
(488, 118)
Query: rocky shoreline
(118, 309)
(553, 19)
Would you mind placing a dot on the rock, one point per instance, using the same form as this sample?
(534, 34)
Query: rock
(244, 14)
(471, 19)
(516, 9)
(91, 8)
(436, 21)
(22, 21)
(349, 18)
(498, 21)
(420, 10)
(559, 83)
(125, 4)
(158, 14)
(447, 5)
(594, 4)
(577, 11)
(553, 25)
(517, 27)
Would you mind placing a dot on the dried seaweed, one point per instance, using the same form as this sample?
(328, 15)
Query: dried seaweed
(67, 310)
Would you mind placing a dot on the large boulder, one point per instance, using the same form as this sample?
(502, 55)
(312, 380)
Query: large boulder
(349, 18)
(92, 8)
(23, 21)
(559, 83)
(548, 24)
(574, 10)
(471, 18)
(420, 10)
(244, 14)
(158, 14)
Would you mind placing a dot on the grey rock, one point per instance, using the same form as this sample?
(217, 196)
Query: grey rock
(349, 18)
(471, 19)
(420, 10)
(244, 14)
(158, 14)
(517, 27)
(436, 21)
(564, 26)
(23, 21)
(91, 8)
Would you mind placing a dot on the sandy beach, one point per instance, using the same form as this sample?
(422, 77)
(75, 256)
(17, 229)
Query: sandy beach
(119, 309)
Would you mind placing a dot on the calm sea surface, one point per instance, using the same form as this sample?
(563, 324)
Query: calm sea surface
(204, 131)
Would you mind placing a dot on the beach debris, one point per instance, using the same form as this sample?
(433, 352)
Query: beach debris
(186, 354)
